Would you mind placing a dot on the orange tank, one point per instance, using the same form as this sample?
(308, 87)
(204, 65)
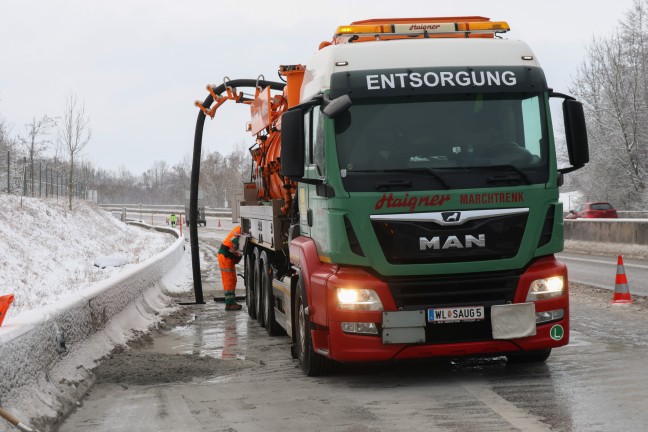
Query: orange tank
(266, 110)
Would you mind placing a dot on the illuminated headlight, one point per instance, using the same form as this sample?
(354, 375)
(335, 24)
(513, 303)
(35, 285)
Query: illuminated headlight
(552, 315)
(360, 328)
(358, 299)
(542, 289)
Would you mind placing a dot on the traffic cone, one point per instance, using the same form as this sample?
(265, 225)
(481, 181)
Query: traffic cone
(5, 301)
(621, 291)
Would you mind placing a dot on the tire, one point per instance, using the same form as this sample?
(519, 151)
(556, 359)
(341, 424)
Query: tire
(271, 325)
(529, 356)
(258, 288)
(250, 299)
(311, 363)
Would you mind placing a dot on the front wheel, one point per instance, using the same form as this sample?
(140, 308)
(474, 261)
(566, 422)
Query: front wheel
(311, 363)
(529, 356)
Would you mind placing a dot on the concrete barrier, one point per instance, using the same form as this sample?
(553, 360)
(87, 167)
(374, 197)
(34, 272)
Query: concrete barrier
(624, 231)
(45, 355)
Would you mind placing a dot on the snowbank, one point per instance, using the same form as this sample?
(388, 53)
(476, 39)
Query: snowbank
(46, 352)
(47, 252)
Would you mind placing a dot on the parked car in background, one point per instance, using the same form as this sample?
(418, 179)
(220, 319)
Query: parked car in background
(593, 210)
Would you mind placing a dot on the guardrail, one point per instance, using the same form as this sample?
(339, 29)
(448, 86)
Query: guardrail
(625, 231)
(162, 209)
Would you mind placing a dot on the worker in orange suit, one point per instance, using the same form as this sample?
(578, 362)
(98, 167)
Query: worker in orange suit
(228, 256)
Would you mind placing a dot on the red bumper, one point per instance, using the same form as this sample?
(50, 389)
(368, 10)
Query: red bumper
(344, 347)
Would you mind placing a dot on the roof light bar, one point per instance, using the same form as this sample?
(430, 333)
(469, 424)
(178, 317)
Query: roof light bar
(422, 28)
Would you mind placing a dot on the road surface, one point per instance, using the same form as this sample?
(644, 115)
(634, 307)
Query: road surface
(210, 370)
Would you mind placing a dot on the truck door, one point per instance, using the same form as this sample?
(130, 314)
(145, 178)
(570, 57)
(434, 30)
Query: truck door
(311, 203)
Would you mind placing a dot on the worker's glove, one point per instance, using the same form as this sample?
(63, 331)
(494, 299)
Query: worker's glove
(237, 258)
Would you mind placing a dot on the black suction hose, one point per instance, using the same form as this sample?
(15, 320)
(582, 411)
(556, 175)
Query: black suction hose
(195, 173)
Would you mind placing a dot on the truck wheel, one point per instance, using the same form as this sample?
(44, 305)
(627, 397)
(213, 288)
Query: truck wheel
(250, 300)
(529, 356)
(271, 325)
(311, 363)
(258, 289)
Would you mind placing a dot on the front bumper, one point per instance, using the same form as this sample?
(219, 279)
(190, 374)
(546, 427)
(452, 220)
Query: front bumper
(453, 340)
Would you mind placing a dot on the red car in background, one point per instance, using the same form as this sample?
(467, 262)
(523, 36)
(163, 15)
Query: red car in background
(593, 210)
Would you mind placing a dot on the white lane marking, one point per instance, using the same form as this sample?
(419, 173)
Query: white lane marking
(509, 412)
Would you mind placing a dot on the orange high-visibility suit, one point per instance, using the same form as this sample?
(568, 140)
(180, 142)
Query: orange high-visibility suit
(228, 256)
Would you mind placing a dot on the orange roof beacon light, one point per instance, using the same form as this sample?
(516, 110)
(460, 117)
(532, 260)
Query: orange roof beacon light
(408, 28)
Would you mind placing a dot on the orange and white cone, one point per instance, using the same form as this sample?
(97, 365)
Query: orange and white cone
(5, 301)
(621, 290)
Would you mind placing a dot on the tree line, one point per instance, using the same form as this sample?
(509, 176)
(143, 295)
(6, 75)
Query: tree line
(58, 142)
(612, 83)
(221, 176)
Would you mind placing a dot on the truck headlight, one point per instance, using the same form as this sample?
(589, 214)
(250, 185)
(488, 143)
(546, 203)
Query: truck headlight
(358, 299)
(542, 289)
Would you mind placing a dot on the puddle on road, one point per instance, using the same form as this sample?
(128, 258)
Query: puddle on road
(204, 330)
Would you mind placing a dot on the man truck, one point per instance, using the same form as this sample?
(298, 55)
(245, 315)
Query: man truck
(403, 202)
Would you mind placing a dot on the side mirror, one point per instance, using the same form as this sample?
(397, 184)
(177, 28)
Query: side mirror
(575, 132)
(292, 144)
(337, 106)
(572, 211)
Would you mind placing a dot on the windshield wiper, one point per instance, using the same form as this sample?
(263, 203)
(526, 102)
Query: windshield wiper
(508, 178)
(394, 183)
(409, 170)
(519, 174)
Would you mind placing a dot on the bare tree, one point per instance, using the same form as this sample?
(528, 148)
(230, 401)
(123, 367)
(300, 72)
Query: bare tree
(6, 143)
(613, 85)
(74, 134)
(35, 141)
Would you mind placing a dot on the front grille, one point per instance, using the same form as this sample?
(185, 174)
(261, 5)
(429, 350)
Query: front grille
(477, 289)
(401, 240)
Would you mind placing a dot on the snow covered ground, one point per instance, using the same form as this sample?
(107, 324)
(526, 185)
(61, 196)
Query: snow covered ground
(48, 252)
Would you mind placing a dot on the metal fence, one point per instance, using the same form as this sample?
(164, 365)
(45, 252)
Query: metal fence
(41, 179)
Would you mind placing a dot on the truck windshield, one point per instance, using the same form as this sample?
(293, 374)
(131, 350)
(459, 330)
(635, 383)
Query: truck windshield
(455, 141)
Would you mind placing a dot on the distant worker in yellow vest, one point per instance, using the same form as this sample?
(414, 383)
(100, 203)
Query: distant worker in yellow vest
(173, 220)
(228, 256)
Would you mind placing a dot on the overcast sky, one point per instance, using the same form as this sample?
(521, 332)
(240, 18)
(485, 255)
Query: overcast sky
(140, 64)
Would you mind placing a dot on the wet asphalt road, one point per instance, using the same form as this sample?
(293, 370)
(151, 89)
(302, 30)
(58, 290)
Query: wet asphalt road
(599, 382)
(600, 271)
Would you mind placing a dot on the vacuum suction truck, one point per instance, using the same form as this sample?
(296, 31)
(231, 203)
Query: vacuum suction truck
(403, 201)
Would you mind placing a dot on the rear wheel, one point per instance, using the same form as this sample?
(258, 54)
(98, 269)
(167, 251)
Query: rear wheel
(250, 299)
(311, 363)
(258, 289)
(272, 327)
(529, 356)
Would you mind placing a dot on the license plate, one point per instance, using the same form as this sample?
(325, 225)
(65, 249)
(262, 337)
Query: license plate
(456, 314)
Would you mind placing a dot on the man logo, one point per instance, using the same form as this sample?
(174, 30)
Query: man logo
(451, 216)
(452, 242)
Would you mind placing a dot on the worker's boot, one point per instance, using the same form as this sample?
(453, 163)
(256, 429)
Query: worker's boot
(230, 302)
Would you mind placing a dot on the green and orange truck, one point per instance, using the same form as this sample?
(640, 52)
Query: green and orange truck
(403, 202)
